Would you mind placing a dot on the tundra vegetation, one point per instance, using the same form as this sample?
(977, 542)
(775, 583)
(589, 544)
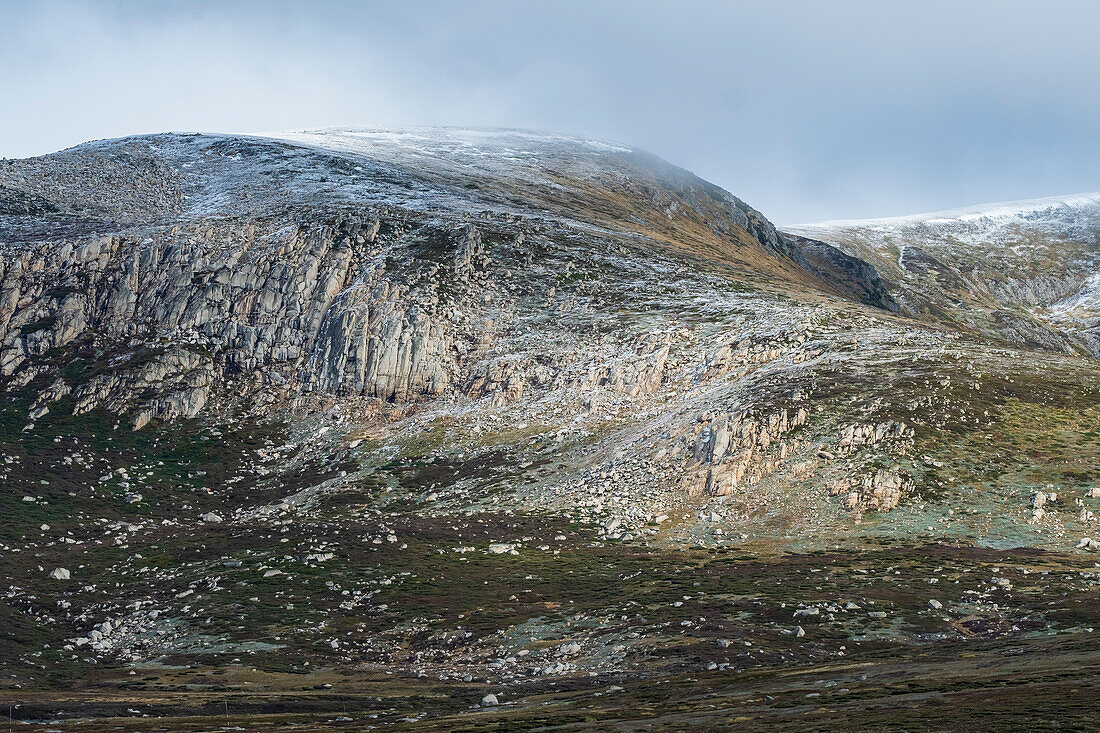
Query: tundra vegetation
(456, 430)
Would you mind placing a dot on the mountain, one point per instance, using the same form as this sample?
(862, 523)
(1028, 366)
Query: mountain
(393, 423)
(349, 222)
(1021, 270)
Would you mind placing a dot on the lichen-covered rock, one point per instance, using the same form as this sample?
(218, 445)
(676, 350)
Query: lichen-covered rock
(301, 302)
(741, 449)
(880, 491)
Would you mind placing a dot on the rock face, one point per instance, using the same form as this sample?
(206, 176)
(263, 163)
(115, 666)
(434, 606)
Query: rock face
(854, 436)
(173, 253)
(880, 491)
(195, 304)
(741, 449)
(849, 275)
(375, 343)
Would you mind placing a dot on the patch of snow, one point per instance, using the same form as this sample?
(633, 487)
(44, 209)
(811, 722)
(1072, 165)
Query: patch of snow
(1023, 209)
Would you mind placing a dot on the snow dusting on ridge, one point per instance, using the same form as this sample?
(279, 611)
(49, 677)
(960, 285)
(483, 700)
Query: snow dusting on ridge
(999, 212)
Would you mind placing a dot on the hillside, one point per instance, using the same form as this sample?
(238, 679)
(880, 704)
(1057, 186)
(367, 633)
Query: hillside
(1020, 270)
(345, 422)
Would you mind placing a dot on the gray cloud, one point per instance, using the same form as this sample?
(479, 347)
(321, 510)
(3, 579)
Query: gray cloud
(807, 110)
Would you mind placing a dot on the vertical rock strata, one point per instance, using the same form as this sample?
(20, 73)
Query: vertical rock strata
(194, 305)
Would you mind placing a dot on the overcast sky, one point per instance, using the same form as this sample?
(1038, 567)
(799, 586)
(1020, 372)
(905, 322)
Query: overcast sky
(807, 110)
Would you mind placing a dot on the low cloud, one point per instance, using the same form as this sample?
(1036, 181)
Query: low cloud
(806, 110)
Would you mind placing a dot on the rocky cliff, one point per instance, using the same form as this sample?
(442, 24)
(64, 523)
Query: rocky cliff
(347, 263)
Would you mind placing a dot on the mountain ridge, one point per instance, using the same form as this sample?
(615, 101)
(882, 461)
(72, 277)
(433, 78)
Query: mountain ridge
(1021, 270)
(987, 210)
